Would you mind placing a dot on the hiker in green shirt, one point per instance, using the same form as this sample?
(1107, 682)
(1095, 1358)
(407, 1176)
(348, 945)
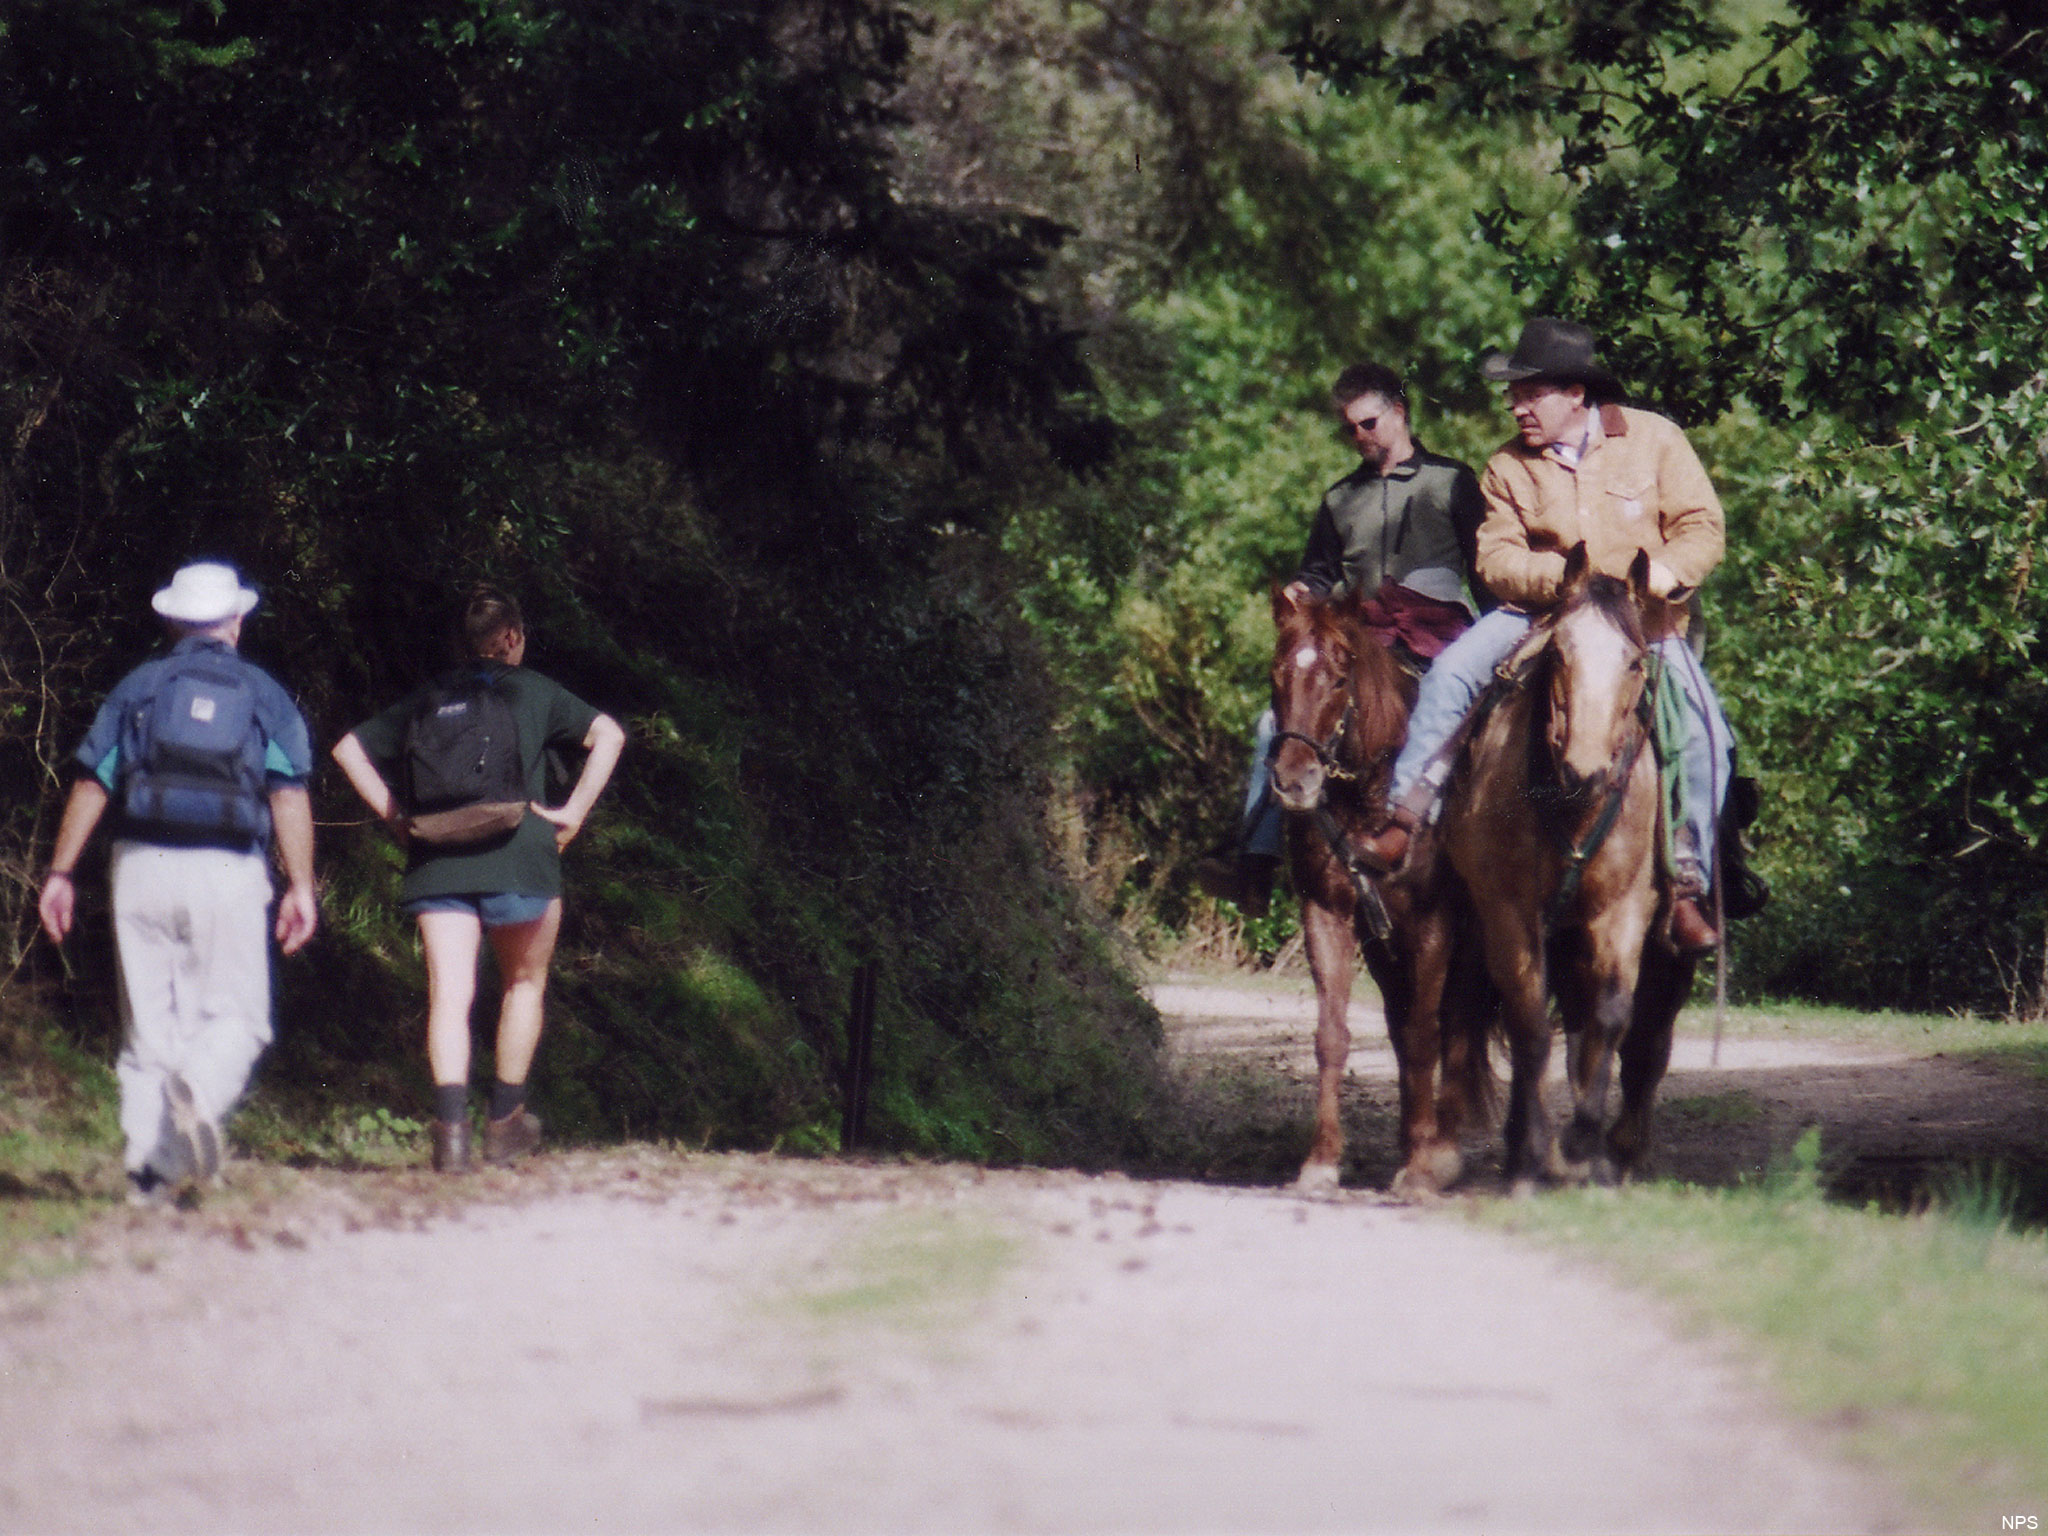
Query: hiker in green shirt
(507, 886)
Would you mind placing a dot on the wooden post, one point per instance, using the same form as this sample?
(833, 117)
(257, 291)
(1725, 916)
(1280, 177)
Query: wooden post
(860, 1056)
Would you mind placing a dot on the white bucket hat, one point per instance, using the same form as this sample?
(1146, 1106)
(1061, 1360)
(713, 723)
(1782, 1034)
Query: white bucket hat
(205, 592)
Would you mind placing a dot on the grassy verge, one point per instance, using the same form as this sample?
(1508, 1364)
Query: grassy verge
(1922, 1340)
(1924, 1033)
(59, 1143)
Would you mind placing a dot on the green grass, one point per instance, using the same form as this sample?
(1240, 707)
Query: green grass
(1922, 1339)
(1916, 1033)
(60, 1145)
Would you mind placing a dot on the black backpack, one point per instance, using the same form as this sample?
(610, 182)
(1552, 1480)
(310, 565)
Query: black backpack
(464, 775)
(192, 756)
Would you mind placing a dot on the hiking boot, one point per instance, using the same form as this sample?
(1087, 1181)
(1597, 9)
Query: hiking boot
(514, 1136)
(451, 1146)
(1386, 848)
(1692, 935)
(1216, 875)
(1255, 883)
(1244, 880)
(147, 1191)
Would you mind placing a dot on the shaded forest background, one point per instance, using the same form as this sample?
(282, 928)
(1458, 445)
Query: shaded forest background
(895, 415)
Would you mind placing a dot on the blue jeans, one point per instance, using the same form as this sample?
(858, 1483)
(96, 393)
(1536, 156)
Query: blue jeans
(1264, 822)
(1466, 666)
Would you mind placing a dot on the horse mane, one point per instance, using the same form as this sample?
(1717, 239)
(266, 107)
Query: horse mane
(1613, 597)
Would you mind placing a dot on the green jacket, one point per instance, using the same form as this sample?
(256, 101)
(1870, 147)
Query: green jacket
(1416, 525)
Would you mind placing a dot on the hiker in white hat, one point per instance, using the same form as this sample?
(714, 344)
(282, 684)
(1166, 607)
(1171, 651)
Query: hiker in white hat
(205, 759)
(204, 594)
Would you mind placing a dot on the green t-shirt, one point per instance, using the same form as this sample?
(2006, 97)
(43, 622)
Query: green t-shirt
(526, 863)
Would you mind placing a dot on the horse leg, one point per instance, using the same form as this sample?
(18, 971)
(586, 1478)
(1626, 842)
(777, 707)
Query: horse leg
(1431, 1102)
(1518, 971)
(1591, 1063)
(1468, 1008)
(1605, 989)
(1328, 938)
(1661, 991)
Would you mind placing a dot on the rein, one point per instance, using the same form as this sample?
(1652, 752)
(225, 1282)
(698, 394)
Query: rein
(1370, 907)
(1580, 853)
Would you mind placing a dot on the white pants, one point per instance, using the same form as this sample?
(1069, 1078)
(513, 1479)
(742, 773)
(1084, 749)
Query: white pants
(192, 931)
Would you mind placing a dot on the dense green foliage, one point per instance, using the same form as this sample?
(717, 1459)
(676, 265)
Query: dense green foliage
(1238, 240)
(622, 306)
(1826, 228)
(1809, 232)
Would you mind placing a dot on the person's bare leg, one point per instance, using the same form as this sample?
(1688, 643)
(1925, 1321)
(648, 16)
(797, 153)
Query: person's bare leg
(450, 940)
(524, 952)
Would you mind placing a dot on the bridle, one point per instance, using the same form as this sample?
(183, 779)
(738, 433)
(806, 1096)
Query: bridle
(1578, 851)
(1370, 907)
(1325, 750)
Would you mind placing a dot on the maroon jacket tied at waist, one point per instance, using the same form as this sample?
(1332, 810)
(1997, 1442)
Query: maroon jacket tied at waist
(1425, 625)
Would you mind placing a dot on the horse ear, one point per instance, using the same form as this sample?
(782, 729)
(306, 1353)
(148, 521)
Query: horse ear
(1639, 577)
(1576, 563)
(1283, 602)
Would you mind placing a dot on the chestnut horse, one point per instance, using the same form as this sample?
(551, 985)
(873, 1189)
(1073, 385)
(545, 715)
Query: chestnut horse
(1340, 702)
(1553, 824)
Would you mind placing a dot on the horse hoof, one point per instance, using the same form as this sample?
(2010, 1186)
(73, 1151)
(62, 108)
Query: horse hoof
(1316, 1179)
(1572, 1174)
(1414, 1187)
(1428, 1174)
(1524, 1188)
(1580, 1145)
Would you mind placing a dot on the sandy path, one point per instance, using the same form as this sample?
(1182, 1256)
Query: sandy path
(634, 1341)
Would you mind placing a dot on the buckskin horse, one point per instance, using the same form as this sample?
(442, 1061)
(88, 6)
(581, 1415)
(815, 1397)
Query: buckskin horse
(1340, 704)
(1553, 823)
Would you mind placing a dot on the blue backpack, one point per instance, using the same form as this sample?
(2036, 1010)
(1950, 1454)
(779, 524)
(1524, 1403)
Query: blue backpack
(192, 756)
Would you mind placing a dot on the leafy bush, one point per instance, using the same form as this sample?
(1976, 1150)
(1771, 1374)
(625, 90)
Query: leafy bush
(624, 308)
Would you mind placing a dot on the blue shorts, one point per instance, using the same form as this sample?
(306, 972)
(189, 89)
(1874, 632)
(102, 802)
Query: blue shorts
(497, 909)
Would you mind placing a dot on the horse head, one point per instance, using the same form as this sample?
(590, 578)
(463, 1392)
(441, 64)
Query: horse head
(1595, 676)
(1340, 705)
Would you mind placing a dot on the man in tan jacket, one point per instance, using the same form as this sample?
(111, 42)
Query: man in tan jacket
(1581, 469)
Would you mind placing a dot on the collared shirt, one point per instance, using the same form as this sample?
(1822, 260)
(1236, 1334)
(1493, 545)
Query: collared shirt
(287, 744)
(1415, 525)
(1637, 485)
(1571, 454)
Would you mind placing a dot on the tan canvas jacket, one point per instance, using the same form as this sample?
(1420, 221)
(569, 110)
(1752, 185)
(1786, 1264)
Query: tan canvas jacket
(1640, 487)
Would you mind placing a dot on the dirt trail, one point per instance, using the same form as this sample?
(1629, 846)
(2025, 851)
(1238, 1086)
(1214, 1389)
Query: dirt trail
(1891, 1123)
(634, 1341)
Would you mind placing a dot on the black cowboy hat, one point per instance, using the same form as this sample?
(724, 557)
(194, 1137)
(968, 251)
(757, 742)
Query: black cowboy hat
(1551, 349)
